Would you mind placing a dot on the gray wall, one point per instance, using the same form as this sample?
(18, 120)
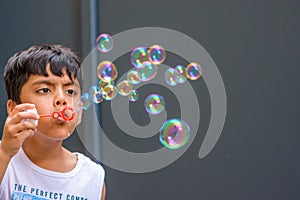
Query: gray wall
(24, 24)
(255, 46)
(27, 23)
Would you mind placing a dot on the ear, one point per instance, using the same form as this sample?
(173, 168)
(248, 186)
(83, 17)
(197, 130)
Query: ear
(10, 105)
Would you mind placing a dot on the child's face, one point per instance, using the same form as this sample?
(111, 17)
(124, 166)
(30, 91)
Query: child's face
(49, 94)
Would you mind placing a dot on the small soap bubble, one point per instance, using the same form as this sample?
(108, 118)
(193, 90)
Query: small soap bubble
(107, 71)
(193, 71)
(109, 92)
(124, 88)
(180, 69)
(95, 94)
(171, 77)
(104, 43)
(102, 84)
(157, 54)
(138, 56)
(174, 133)
(84, 101)
(182, 77)
(154, 104)
(133, 76)
(133, 96)
(148, 71)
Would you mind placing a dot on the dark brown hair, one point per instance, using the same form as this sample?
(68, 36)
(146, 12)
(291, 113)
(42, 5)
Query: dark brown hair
(33, 61)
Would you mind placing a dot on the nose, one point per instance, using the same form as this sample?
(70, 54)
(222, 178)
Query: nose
(60, 99)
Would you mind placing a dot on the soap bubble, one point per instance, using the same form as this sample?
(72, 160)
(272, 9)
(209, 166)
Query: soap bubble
(109, 92)
(133, 96)
(154, 104)
(84, 101)
(148, 71)
(95, 94)
(138, 56)
(102, 84)
(124, 88)
(181, 70)
(174, 133)
(107, 71)
(193, 71)
(133, 76)
(171, 77)
(157, 54)
(104, 43)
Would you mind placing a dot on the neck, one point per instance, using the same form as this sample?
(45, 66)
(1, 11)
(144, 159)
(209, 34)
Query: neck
(41, 148)
(49, 154)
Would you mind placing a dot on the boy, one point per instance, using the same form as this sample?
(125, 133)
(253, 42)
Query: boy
(33, 162)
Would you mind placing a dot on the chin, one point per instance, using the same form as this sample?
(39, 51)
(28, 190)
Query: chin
(58, 135)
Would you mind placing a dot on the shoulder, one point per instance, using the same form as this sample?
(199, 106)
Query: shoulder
(94, 173)
(89, 165)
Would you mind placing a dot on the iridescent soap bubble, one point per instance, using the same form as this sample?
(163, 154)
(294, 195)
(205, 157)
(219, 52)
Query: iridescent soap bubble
(84, 102)
(124, 88)
(174, 133)
(133, 96)
(171, 76)
(148, 71)
(193, 71)
(104, 43)
(102, 84)
(107, 71)
(154, 104)
(138, 56)
(109, 92)
(133, 76)
(157, 54)
(95, 94)
(181, 70)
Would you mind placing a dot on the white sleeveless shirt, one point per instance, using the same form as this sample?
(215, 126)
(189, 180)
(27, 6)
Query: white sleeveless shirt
(24, 180)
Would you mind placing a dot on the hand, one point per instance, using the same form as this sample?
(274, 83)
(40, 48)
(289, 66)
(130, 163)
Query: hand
(17, 129)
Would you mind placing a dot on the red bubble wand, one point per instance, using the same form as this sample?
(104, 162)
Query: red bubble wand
(67, 114)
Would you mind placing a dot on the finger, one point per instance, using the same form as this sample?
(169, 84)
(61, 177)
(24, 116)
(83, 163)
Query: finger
(25, 125)
(21, 107)
(22, 136)
(18, 117)
(17, 140)
(14, 129)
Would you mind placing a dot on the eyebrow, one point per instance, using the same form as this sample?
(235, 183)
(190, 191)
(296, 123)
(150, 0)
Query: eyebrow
(47, 82)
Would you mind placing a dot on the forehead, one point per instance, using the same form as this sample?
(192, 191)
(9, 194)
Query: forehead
(64, 77)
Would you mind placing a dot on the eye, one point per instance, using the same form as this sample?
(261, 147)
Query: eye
(44, 90)
(72, 92)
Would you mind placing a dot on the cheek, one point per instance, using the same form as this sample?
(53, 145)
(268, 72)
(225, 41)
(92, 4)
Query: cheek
(78, 116)
(43, 106)
(25, 97)
(75, 99)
